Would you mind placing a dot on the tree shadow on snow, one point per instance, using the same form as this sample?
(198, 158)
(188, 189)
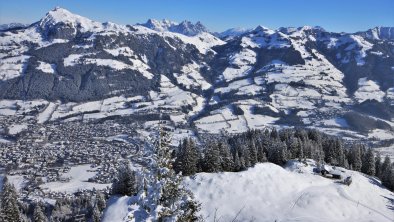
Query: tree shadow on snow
(376, 182)
(391, 200)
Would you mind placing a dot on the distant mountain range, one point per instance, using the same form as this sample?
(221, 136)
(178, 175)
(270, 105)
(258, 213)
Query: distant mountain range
(341, 83)
(9, 26)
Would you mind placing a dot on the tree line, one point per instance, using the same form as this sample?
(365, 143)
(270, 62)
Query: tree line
(234, 153)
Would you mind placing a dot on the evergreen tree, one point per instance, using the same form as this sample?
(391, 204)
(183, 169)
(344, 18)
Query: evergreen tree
(38, 214)
(9, 203)
(96, 214)
(385, 164)
(125, 182)
(187, 158)
(100, 201)
(355, 157)
(225, 158)
(378, 166)
(368, 164)
(211, 158)
(277, 153)
(387, 174)
(245, 156)
(237, 162)
(252, 153)
(163, 197)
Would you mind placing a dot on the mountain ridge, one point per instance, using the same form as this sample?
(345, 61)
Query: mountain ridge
(261, 77)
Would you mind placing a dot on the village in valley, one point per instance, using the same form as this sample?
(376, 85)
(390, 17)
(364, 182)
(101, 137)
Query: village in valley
(47, 153)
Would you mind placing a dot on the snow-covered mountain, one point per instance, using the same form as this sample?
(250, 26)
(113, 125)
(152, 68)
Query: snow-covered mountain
(68, 66)
(233, 32)
(379, 33)
(185, 27)
(9, 26)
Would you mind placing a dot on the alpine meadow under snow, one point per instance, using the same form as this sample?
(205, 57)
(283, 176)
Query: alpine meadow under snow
(167, 121)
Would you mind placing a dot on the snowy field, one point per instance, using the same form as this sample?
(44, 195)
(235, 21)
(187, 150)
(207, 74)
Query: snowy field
(78, 181)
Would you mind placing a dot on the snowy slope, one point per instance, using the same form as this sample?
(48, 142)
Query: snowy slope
(269, 192)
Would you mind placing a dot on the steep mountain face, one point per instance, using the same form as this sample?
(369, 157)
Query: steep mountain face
(340, 83)
(379, 33)
(185, 27)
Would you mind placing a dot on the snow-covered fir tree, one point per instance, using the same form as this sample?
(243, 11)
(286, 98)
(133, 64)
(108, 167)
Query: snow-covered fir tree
(187, 157)
(211, 161)
(368, 163)
(378, 165)
(387, 173)
(38, 214)
(125, 181)
(355, 157)
(225, 157)
(162, 196)
(9, 203)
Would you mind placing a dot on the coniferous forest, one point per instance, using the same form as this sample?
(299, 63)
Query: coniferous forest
(234, 153)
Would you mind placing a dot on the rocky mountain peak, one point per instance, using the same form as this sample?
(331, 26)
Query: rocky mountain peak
(185, 27)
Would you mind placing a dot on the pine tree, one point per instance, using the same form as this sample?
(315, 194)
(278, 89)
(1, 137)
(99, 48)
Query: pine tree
(187, 158)
(387, 174)
(96, 214)
(277, 153)
(211, 158)
(378, 166)
(385, 164)
(38, 214)
(355, 157)
(368, 164)
(252, 153)
(9, 203)
(100, 201)
(245, 156)
(225, 158)
(237, 162)
(163, 197)
(125, 182)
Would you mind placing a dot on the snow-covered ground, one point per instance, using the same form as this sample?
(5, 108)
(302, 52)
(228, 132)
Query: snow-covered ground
(268, 192)
(117, 209)
(78, 181)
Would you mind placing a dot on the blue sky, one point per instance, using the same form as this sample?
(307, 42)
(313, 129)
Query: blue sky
(217, 15)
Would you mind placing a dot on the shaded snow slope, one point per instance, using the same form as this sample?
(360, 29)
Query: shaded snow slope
(269, 192)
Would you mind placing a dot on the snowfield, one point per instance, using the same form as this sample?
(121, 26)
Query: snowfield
(269, 192)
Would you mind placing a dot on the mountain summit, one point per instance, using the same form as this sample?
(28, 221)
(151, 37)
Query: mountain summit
(185, 27)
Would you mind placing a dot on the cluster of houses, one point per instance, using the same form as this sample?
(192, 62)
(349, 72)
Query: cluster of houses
(45, 152)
